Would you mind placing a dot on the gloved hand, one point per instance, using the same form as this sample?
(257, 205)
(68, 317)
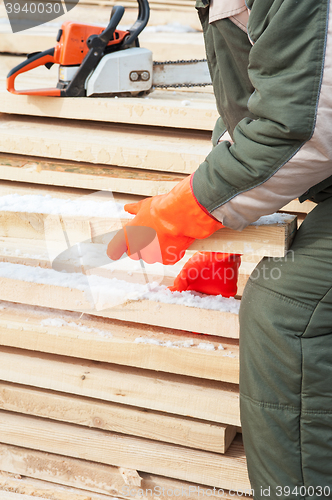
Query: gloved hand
(164, 227)
(214, 273)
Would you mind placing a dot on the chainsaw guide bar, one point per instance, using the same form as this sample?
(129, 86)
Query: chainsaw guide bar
(190, 71)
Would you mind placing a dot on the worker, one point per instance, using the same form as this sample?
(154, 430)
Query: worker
(271, 67)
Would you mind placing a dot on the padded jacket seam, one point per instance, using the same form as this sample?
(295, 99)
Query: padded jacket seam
(273, 406)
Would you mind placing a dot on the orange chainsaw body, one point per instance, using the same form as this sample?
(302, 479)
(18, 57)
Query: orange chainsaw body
(83, 46)
(71, 48)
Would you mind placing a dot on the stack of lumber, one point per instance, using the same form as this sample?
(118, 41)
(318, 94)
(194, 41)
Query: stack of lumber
(112, 388)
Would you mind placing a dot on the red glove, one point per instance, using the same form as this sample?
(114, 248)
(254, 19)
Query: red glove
(214, 273)
(164, 227)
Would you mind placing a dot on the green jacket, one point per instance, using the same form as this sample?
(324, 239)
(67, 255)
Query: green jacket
(273, 92)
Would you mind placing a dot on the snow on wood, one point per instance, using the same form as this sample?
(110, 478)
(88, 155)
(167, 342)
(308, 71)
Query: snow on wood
(111, 292)
(129, 344)
(171, 312)
(262, 239)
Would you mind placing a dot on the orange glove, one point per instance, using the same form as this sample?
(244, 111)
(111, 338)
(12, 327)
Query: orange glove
(214, 273)
(164, 227)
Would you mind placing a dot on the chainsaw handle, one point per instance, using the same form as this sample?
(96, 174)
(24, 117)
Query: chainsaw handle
(140, 23)
(32, 62)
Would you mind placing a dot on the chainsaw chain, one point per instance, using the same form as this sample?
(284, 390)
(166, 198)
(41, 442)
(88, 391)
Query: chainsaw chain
(179, 85)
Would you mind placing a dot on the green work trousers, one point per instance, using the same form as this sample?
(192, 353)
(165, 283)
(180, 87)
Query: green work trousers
(285, 321)
(286, 366)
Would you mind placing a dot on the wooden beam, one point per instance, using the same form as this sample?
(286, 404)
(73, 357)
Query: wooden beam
(185, 111)
(48, 468)
(212, 469)
(180, 395)
(122, 419)
(86, 176)
(51, 470)
(297, 207)
(35, 253)
(177, 316)
(128, 344)
(18, 488)
(107, 144)
(99, 177)
(271, 240)
(165, 46)
(89, 14)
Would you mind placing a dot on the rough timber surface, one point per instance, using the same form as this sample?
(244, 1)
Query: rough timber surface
(159, 108)
(122, 419)
(44, 472)
(179, 317)
(90, 14)
(35, 253)
(16, 487)
(128, 344)
(103, 143)
(266, 239)
(29, 169)
(222, 471)
(163, 45)
(207, 400)
(100, 177)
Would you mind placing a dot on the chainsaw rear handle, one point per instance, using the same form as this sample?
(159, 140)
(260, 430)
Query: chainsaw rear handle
(140, 23)
(39, 59)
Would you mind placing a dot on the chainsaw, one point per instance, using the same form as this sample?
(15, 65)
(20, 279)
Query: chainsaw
(98, 61)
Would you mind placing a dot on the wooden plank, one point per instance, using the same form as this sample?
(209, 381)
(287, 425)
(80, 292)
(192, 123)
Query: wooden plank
(177, 316)
(164, 46)
(66, 193)
(49, 468)
(35, 253)
(221, 471)
(122, 419)
(18, 488)
(185, 111)
(271, 240)
(107, 144)
(7, 495)
(297, 207)
(86, 176)
(89, 14)
(128, 344)
(99, 177)
(180, 395)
